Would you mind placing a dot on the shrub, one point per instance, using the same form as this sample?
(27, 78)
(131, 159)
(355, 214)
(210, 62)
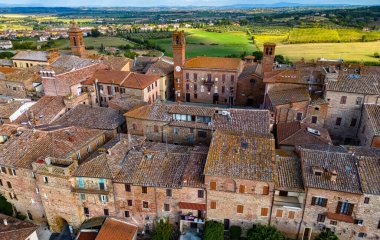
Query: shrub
(20, 216)
(164, 230)
(214, 231)
(235, 232)
(264, 232)
(327, 235)
(376, 55)
(5, 206)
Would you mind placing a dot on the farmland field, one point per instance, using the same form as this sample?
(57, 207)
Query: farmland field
(202, 43)
(95, 42)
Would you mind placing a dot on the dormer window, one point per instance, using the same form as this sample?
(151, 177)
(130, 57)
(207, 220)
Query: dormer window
(317, 171)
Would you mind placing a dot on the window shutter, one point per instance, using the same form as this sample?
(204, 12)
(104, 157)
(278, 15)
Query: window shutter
(291, 214)
(339, 207)
(265, 190)
(213, 185)
(313, 199)
(264, 212)
(324, 203)
(242, 189)
(350, 209)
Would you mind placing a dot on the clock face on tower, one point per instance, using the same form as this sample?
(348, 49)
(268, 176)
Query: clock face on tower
(178, 68)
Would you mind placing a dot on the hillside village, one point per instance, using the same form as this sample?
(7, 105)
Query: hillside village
(238, 141)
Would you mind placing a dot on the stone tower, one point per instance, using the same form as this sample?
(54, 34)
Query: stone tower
(179, 49)
(76, 40)
(268, 57)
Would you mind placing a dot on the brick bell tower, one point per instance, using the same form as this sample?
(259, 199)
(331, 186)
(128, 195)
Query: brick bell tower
(179, 49)
(268, 57)
(76, 40)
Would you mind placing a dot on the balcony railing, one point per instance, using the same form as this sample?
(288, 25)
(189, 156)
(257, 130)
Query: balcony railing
(90, 188)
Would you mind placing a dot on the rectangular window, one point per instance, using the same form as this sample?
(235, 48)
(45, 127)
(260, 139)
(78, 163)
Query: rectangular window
(187, 76)
(86, 212)
(345, 208)
(366, 200)
(223, 77)
(299, 116)
(106, 212)
(321, 218)
(9, 185)
(353, 122)
(266, 190)
(195, 96)
(343, 100)
(104, 198)
(126, 214)
(195, 87)
(358, 222)
(195, 76)
(145, 204)
(80, 182)
(333, 222)
(338, 121)
(200, 194)
(242, 189)
(223, 89)
(127, 187)
(10, 171)
(1, 182)
(279, 213)
(209, 77)
(102, 185)
(291, 214)
(144, 190)
(129, 203)
(213, 185)
(319, 201)
(166, 207)
(175, 130)
(14, 172)
(82, 197)
(213, 205)
(156, 129)
(314, 119)
(358, 101)
(3, 170)
(240, 209)
(264, 212)
(362, 235)
(168, 192)
(232, 78)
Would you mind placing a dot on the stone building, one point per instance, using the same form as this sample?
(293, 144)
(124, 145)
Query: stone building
(369, 129)
(35, 168)
(346, 95)
(289, 194)
(28, 58)
(239, 178)
(110, 84)
(76, 40)
(217, 80)
(334, 193)
(13, 228)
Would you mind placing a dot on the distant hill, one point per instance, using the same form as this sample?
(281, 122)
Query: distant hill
(281, 5)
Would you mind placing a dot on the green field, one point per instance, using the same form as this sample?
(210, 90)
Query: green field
(95, 42)
(202, 43)
(358, 51)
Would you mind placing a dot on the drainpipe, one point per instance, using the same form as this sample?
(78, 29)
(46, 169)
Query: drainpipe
(303, 213)
(114, 196)
(271, 207)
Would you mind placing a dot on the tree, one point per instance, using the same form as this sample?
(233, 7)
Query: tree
(164, 230)
(5, 206)
(95, 33)
(258, 55)
(376, 55)
(213, 231)
(327, 235)
(264, 232)
(6, 55)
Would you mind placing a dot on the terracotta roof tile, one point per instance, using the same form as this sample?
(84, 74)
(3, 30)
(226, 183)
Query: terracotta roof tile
(7, 109)
(352, 83)
(125, 104)
(288, 173)
(373, 112)
(41, 56)
(281, 97)
(369, 171)
(116, 229)
(16, 229)
(340, 217)
(156, 112)
(213, 63)
(241, 155)
(91, 117)
(296, 133)
(329, 160)
(192, 206)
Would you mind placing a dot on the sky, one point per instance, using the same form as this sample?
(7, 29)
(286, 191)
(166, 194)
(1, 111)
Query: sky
(148, 3)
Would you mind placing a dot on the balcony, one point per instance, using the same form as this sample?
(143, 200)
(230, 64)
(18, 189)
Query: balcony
(90, 189)
(55, 166)
(340, 217)
(287, 201)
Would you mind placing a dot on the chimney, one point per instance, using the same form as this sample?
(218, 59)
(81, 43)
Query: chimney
(5, 222)
(333, 176)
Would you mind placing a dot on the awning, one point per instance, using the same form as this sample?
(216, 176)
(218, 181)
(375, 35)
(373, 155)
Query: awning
(192, 206)
(340, 217)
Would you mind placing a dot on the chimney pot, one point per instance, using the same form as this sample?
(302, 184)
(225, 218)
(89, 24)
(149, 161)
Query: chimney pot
(5, 222)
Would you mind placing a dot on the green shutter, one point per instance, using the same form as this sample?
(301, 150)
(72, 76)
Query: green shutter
(324, 203)
(339, 207)
(313, 199)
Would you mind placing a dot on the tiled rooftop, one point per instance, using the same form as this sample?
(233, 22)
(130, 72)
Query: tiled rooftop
(219, 63)
(241, 155)
(116, 229)
(296, 133)
(333, 160)
(369, 171)
(15, 229)
(288, 172)
(7, 109)
(91, 117)
(70, 63)
(40, 56)
(45, 111)
(125, 104)
(156, 112)
(352, 83)
(281, 97)
(373, 112)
